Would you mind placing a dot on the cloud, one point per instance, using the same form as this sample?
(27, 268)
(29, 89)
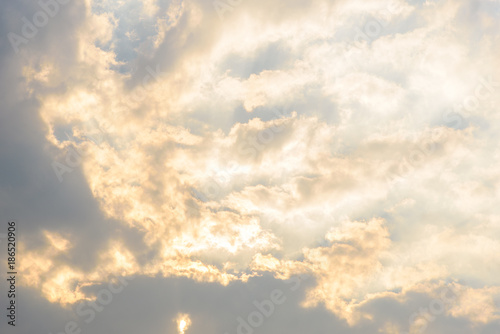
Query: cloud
(353, 143)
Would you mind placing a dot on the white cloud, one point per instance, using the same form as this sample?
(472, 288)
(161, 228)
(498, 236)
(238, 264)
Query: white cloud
(362, 179)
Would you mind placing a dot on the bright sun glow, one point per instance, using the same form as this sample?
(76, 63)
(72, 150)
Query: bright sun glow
(183, 322)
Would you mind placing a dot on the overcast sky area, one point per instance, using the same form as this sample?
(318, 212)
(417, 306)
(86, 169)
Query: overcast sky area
(251, 167)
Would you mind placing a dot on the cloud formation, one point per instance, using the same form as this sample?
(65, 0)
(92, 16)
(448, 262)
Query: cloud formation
(228, 147)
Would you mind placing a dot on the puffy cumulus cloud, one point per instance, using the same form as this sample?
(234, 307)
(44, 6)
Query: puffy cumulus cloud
(355, 143)
(431, 306)
(479, 305)
(344, 269)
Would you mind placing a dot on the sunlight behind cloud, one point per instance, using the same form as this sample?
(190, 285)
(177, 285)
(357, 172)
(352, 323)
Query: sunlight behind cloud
(183, 322)
(356, 143)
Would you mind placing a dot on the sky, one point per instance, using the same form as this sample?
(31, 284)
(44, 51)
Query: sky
(241, 167)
